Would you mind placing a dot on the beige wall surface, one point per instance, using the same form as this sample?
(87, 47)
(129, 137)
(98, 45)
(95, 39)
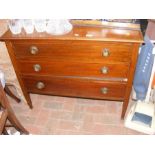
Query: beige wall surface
(150, 31)
(5, 62)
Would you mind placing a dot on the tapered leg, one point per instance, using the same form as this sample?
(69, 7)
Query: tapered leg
(14, 62)
(124, 108)
(5, 132)
(28, 99)
(11, 116)
(8, 91)
(14, 121)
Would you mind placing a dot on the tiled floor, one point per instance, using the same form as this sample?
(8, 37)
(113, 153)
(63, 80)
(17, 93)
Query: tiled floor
(72, 116)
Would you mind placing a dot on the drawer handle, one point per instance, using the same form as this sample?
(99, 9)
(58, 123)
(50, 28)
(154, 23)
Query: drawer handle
(105, 52)
(104, 70)
(33, 50)
(40, 85)
(104, 90)
(36, 67)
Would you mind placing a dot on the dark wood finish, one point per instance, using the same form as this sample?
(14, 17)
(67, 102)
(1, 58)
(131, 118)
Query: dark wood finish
(75, 50)
(71, 68)
(14, 62)
(71, 64)
(9, 114)
(89, 33)
(9, 92)
(76, 87)
(3, 118)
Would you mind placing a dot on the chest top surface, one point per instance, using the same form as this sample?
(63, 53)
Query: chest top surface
(93, 33)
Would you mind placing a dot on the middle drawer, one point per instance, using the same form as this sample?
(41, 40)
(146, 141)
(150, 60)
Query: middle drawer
(68, 68)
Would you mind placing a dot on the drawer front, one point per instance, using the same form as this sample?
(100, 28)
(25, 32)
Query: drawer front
(75, 87)
(87, 50)
(67, 68)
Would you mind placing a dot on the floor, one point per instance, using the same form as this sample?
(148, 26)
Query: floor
(54, 115)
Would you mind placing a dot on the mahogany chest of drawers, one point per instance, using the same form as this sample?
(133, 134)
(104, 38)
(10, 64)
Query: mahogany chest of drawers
(88, 62)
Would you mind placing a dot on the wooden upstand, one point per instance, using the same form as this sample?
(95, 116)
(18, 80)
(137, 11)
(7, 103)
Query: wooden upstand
(89, 62)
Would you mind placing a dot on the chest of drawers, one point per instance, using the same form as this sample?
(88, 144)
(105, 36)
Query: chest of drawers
(88, 62)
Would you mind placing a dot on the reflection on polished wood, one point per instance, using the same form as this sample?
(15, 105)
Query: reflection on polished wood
(76, 64)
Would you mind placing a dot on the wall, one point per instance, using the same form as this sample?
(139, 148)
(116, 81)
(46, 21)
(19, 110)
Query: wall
(150, 31)
(5, 62)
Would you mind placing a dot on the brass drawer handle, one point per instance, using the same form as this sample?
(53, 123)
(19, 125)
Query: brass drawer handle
(104, 90)
(34, 50)
(105, 52)
(105, 70)
(36, 67)
(40, 85)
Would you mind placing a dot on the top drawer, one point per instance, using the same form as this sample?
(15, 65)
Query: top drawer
(88, 50)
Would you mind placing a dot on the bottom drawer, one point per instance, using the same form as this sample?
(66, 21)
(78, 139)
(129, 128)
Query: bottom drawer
(76, 87)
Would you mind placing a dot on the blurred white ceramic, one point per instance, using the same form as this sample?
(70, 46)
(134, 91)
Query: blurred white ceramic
(58, 26)
(2, 78)
(28, 26)
(40, 25)
(15, 26)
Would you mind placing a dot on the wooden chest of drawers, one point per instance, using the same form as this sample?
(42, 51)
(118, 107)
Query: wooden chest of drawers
(88, 62)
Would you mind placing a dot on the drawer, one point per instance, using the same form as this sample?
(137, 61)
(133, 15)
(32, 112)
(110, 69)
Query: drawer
(88, 50)
(76, 87)
(68, 68)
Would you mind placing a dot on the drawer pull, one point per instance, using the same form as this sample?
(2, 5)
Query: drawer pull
(104, 70)
(33, 50)
(36, 67)
(105, 52)
(104, 90)
(40, 85)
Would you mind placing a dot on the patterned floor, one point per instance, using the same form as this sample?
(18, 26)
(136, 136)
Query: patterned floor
(54, 115)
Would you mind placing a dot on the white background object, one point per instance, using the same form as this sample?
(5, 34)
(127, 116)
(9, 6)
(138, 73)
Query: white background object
(40, 25)
(28, 26)
(2, 79)
(58, 27)
(151, 79)
(143, 107)
(15, 26)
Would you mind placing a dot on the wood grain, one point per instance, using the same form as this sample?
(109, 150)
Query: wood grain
(3, 118)
(96, 33)
(71, 64)
(72, 68)
(15, 65)
(76, 87)
(75, 50)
